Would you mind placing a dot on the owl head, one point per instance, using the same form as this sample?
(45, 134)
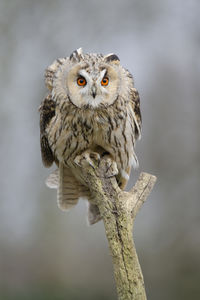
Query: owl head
(88, 80)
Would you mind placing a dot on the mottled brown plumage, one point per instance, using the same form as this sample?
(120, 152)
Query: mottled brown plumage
(92, 106)
(47, 112)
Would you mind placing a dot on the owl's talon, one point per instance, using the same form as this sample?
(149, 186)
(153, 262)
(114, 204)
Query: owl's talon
(90, 162)
(95, 156)
(77, 160)
(111, 168)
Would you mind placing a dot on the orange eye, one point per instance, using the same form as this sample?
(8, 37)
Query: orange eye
(81, 81)
(104, 81)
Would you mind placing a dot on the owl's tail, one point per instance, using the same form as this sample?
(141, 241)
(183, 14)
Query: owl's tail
(69, 190)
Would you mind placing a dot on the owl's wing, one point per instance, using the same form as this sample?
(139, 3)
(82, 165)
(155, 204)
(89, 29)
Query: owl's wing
(47, 112)
(135, 102)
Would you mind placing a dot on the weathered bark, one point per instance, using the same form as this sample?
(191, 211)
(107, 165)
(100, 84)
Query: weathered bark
(118, 210)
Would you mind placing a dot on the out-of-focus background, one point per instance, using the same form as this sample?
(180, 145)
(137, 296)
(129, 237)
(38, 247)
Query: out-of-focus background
(51, 255)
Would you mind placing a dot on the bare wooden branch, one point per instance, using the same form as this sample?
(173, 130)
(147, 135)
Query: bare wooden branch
(118, 210)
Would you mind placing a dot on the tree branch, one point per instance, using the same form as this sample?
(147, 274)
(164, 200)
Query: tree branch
(118, 210)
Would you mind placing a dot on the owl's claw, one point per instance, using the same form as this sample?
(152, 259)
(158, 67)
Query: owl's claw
(111, 168)
(88, 157)
(95, 156)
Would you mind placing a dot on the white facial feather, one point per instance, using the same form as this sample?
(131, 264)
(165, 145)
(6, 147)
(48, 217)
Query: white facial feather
(88, 78)
(93, 86)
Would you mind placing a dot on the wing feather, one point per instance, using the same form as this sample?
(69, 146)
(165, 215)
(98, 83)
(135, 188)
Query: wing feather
(47, 112)
(135, 102)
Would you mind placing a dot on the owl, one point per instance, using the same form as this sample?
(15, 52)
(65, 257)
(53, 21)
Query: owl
(92, 108)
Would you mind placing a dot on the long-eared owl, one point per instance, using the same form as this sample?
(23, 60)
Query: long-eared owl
(92, 107)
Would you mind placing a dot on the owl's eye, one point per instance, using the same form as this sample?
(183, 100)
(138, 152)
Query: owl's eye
(81, 81)
(105, 81)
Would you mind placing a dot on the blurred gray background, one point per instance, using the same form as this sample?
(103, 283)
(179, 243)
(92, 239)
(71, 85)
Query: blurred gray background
(51, 255)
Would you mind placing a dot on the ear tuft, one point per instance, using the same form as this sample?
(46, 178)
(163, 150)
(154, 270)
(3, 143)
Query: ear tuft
(112, 58)
(76, 55)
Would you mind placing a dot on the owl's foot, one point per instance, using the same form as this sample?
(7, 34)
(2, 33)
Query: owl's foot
(93, 159)
(111, 168)
(88, 157)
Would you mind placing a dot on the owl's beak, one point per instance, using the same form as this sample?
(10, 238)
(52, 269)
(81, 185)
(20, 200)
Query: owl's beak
(94, 91)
